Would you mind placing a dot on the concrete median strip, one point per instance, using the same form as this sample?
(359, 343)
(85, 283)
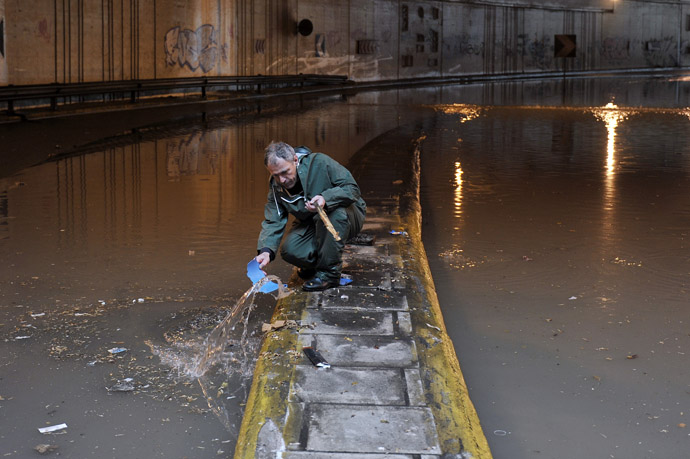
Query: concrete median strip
(394, 386)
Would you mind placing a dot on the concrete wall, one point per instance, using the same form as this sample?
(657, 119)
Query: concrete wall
(47, 41)
(3, 61)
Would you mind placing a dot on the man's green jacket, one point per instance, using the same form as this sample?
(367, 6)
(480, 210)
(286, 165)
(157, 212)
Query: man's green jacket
(319, 174)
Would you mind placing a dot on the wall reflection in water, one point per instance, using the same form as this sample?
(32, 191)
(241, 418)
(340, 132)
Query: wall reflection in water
(180, 212)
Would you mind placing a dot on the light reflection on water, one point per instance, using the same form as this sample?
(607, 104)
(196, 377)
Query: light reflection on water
(151, 233)
(569, 262)
(528, 206)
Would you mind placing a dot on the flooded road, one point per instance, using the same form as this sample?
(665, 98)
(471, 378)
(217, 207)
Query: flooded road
(559, 241)
(557, 238)
(114, 258)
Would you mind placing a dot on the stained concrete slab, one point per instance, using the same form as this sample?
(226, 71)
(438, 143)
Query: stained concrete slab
(354, 251)
(405, 323)
(348, 323)
(341, 428)
(364, 298)
(373, 351)
(415, 389)
(361, 386)
(331, 455)
(382, 280)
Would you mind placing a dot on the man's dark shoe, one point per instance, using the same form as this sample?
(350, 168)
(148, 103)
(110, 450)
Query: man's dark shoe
(306, 273)
(317, 285)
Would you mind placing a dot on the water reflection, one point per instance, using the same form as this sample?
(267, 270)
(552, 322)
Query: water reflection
(458, 190)
(612, 116)
(467, 112)
(550, 318)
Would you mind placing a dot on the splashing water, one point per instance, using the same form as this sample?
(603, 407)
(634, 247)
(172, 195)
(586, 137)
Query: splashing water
(222, 354)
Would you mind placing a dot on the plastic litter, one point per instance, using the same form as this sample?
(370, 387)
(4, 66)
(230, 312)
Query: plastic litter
(255, 274)
(126, 385)
(315, 357)
(117, 350)
(398, 233)
(55, 428)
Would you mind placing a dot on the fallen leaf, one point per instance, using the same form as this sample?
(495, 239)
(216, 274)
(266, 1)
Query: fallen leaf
(632, 356)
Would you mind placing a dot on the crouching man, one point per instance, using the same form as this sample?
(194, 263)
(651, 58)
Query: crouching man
(301, 181)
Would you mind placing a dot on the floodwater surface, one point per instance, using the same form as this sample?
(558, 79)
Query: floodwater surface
(557, 239)
(116, 266)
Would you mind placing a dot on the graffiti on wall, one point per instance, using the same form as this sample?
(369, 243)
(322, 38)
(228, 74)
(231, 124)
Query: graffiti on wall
(660, 53)
(464, 45)
(193, 48)
(615, 49)
(537, 51)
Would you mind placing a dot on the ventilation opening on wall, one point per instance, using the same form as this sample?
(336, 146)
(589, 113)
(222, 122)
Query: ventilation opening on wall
(435, 13)
(434, 41)
(687, 22)
(420, 12)
(406, 61)
(305, 27)
(366, 46)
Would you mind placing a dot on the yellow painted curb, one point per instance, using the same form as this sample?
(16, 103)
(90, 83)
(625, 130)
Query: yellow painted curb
(457, 422)
(272, 374)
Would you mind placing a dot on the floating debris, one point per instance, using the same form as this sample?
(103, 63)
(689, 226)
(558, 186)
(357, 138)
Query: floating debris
(44, 449)
(51, 429)
(126, 385)
(117, 350)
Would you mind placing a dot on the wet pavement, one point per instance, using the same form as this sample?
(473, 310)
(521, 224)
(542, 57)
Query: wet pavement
(556, 238)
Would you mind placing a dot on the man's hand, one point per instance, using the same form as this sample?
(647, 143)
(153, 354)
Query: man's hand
(312, 203)
(263, 259)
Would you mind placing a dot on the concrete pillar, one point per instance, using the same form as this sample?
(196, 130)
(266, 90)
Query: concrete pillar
(3, 59)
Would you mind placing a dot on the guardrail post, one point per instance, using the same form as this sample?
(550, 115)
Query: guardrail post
(203, 88)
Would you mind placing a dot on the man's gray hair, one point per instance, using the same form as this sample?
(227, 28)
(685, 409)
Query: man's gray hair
(278, 150)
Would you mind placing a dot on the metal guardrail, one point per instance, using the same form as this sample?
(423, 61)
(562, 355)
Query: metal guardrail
(53, 95)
